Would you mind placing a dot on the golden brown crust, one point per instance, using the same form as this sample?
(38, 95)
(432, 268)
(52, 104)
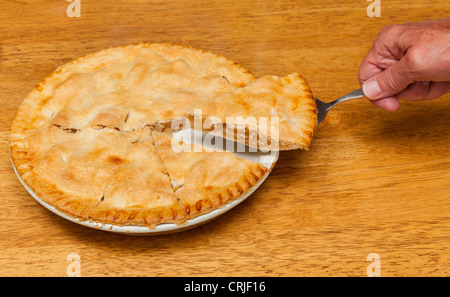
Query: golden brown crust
(81, 139)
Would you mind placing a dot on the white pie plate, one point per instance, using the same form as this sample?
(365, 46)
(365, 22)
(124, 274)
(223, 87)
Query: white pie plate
(268, 160)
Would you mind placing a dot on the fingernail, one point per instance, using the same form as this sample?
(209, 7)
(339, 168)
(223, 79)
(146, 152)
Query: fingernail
(371, 89)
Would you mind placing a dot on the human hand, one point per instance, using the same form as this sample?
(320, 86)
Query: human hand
(408, 62)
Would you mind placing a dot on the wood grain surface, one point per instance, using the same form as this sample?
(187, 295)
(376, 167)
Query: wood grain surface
(372, 181)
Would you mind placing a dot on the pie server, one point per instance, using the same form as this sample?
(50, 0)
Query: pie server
(323, 108)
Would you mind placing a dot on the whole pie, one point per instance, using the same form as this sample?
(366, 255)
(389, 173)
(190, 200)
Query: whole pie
(94, 139)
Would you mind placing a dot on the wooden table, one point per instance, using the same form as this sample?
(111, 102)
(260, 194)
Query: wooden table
(373, 182)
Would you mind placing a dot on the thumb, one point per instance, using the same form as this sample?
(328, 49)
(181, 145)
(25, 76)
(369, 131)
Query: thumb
(390, 82)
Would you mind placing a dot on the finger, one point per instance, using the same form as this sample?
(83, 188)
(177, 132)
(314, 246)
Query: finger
(377, 60)
(438, 89)
(424, 91)
(389, 103)
(388, 83)
(385, 52)
(367, 69)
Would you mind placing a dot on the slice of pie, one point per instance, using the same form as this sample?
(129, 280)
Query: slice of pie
(271, 113)
(203, 179)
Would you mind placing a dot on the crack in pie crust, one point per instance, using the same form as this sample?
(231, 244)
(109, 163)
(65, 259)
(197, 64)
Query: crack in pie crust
(199, 183)
(86, 138)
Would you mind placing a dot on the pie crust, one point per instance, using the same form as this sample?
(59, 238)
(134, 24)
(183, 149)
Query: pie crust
(88, 138)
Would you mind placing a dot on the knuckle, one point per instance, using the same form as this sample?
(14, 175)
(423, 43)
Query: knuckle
(391, 29)
(416, 63)
(385, 30)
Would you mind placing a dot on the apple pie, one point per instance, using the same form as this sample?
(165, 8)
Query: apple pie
(90, 139)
